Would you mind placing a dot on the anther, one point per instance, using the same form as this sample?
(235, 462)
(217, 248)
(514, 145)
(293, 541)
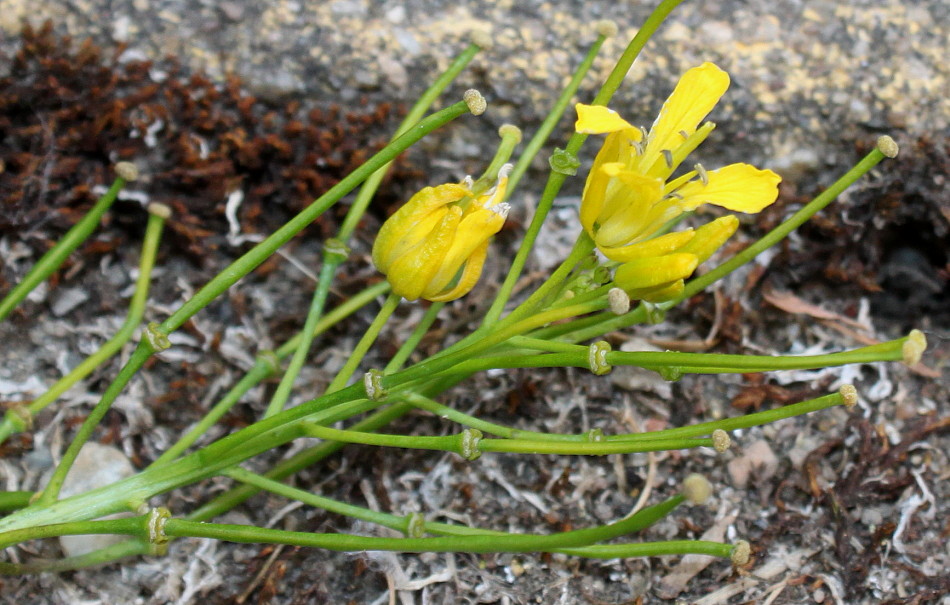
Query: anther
(482, 39)
(668, 157)
(741, 553)
(127, 171)
(697, 488)
(607, 28)
(162, 211)
(721, 440)
(475, 101)
(597, 357)
(849, 394)
(619, 301)
(644, 133)
(510, 130)
(914, 347)
(703, 175)
(888, 146)
(684, 134)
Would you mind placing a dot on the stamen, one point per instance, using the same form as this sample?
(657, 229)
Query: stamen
(684, 134)
(644, 132)
(703, 175)
(639, 147)
(668, 156)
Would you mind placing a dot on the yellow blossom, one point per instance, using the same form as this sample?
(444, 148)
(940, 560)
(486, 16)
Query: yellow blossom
(440, 232)
(629, 196)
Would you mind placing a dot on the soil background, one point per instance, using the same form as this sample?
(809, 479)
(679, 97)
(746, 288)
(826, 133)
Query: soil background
(279, 100)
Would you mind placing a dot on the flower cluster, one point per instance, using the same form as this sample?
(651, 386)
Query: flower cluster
(629, 197)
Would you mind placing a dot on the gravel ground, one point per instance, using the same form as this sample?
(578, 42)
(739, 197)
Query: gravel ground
(842, 508)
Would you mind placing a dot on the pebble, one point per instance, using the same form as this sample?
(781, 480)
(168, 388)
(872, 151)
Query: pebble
(67, 300)
(96, 466)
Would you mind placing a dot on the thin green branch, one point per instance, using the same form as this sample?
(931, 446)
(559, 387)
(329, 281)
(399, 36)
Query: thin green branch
(51, 261)
(14, 422)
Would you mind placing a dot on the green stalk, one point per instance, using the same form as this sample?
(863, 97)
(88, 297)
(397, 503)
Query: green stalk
(279, 399)
(51, 261)
(13, 423)
(136, 361)
(14, 500)
(741, 422)
(265, 367)
(544, 131)
(463, 443)
(557, 177)
(456, 543)
(638, 522)
(362, 347)
(418, 333)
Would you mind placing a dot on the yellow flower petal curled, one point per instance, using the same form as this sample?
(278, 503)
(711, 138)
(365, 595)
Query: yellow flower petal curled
(651, 272)
(710, 237)
(440, 234)
(597, 119)
(658, 246)
(737, 187)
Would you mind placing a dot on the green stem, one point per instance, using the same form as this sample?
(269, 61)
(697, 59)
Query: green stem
(415, 114)
(741, 422)
(781, 232)
(456, 543)
(129, 548)
(51, 261)
(362, 347)
(533, 147)
(557, 178)
(14, 500)
(136, 361)
(418, 333)
(131, 526)
(266, 366)
(461, 443)
(638, 522)
(307, 335)
(153, 230)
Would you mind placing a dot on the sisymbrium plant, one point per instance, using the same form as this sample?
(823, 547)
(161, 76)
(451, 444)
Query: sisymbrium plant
(630, 263)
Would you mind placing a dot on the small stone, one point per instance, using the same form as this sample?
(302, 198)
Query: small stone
(67, 300)
(96, 466)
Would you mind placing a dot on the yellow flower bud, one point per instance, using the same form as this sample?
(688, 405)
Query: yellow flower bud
(440, 233)
(649, 273)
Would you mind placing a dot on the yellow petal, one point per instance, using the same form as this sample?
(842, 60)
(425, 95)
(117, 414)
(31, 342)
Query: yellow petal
(695, 95)
(737, 187)
(658, 246)
(474, 231)
(651, 272)
(412, 222)
(628, 198)
(658, 294)
(470, 275)
(411, 273)
(711, 236)
(597, 119)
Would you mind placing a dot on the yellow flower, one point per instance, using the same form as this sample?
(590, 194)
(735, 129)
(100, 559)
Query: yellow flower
(439, 232)
(629, 197)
